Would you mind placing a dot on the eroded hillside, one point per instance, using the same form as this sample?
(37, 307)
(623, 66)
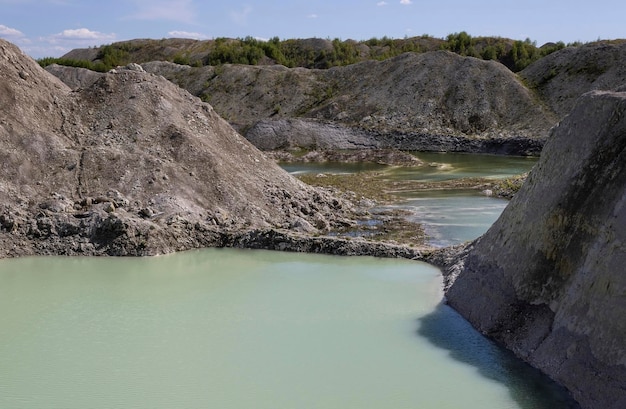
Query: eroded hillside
(132, 164)
(416, 101)
(430, 101)
(562, 77)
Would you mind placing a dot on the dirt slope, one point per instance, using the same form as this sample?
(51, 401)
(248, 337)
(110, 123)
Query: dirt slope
(402, 102)
(132, 164)
(561, 77)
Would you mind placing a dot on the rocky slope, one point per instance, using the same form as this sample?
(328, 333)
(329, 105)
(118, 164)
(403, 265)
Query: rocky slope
(547, 280)
(133, 165)
(561, 77)
(430, 101)
(437, 101)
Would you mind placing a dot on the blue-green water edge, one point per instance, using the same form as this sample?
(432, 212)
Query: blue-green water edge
(448, 217)
(256, 329)
(239, 329)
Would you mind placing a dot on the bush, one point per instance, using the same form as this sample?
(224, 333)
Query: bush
(516, 55)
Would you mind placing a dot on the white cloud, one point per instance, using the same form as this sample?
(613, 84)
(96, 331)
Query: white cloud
(81, 34)
(382, 3)
(240, 17)
(39, 51)
(312, 16)
(10, 32)
(173, 10)
(187, 34)
(406, 2)
(66, 40)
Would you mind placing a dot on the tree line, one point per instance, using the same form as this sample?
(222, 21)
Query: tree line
(516, 55)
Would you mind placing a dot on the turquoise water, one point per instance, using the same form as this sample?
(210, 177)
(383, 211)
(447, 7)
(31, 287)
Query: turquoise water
(448, 217)
(221, 328)
(437, 167)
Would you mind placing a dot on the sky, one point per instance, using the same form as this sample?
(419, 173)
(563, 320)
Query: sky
(51, 28)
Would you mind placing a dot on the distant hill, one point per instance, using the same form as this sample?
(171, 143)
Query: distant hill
(307, 53)
(434, 100)
(429, 101)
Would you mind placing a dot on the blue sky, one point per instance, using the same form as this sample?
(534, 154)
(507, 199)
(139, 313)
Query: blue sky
(53, 27)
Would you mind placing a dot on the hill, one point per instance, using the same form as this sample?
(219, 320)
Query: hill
(429, 101)
(133, 165)
(424, 100)
(307, 53)
(561, 77)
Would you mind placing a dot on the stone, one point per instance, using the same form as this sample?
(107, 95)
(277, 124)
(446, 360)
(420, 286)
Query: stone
(108, 207)
(134, 67)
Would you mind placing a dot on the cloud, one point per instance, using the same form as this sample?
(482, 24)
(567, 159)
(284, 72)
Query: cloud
(312, 16)
(187, 34)
(10, 32)
(81, 34)
(173, 10)
(60, 43)
(406, 2)
(39, 51)
(382, 3)
(240, 17)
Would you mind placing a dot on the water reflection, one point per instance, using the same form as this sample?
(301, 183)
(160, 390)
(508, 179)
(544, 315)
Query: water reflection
(452, 217)
(446, 329)
(449, 217)
(437, 167)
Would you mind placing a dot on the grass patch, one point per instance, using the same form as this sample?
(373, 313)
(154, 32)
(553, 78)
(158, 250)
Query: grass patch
(366, 185)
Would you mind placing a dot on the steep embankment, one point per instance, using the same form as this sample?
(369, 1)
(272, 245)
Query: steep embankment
(547, 280)
(431, 101)
(132, 164)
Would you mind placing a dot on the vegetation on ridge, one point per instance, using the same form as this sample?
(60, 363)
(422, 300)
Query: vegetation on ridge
(307, 53)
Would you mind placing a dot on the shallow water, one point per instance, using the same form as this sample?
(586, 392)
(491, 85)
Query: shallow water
(437, 167)
(331, 167)
(448, 217)
(452, 217)
(448, 166)
(222, 328)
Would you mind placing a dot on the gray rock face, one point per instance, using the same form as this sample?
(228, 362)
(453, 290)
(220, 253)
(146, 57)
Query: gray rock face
(548, 279)
(74, 77)
(130, 164)
(308, 134)
(285, 134)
